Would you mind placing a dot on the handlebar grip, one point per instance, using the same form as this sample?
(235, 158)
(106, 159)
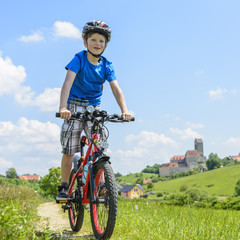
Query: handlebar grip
(119, 117)
(57, 114)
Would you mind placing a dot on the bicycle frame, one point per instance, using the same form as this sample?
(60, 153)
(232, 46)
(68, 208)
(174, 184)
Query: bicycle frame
(89, 157)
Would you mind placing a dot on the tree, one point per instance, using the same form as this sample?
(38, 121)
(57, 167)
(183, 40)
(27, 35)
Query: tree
(50, 182)
(150, 185)
(139, 181)
(237, 188)
(118, 174)
(213, 161)
(153, 169)
(11, 173)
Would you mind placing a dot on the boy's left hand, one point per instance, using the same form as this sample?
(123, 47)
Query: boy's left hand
(126, 116)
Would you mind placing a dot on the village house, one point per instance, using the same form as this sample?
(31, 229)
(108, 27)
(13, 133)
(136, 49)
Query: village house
(30, 177)
(147, 180)
(234, 158)
(182, 163)
(131, 191)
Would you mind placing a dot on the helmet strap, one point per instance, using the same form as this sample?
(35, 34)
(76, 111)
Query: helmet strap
(96, 56)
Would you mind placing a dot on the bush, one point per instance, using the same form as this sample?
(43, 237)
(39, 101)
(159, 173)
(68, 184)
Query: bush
(237, 188)
(150, 185)
(179, 199)
(197, 195)
(50, 182)
(159, 194)
(183, 188)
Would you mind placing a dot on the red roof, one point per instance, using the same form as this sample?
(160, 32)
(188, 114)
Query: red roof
(177, 158)
(192, 153)
(236, 158)
(172, 164)
(29, 177)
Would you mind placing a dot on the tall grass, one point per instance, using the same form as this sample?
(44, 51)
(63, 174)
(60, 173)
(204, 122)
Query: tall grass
(18, 212)
(142, 219)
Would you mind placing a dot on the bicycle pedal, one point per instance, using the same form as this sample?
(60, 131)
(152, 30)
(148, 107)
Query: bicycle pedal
(61, 201)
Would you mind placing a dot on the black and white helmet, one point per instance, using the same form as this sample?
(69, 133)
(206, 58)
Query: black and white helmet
(98, 27)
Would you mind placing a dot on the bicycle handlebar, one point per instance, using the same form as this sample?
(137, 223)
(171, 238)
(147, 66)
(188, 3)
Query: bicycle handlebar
(96, 113)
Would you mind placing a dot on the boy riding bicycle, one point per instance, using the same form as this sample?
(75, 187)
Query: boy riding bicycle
(86, 73)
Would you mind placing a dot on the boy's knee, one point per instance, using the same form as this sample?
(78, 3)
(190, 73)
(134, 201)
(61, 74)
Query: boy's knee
(68, 157)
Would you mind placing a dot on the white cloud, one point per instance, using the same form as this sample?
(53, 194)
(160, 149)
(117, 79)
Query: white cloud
(4, 164)
(47, 101)
(195, 125)
(187, 133)
(233, 141)
(149, 138)
(66, 30)
(29, 145)
(12, 80)
(217, 94)
(29, 135)
(145, 148)
(35, 37)
(11, 76)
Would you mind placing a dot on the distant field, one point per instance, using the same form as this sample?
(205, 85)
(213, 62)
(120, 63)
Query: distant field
(221, 181)
(131, 178)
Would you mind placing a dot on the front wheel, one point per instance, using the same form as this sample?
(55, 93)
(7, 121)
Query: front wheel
(76, 209)
(104, 211)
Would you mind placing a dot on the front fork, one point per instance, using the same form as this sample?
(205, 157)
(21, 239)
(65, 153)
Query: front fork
(91, 180)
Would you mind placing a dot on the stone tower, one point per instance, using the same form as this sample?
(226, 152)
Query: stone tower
(198, 145)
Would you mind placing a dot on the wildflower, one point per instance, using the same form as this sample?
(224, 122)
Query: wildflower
(136, 207)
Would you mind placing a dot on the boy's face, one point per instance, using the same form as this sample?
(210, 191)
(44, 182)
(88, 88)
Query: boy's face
(96, 43)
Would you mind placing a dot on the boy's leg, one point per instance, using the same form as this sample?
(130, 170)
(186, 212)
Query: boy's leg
(66, 167)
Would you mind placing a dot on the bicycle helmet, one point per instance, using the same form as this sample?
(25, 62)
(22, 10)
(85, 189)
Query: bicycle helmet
(98, 27)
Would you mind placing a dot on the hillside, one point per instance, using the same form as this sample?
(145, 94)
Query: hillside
(220, 181)
(132, 177)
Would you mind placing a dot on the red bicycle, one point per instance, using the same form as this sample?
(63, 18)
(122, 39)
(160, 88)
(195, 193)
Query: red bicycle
(97, 187)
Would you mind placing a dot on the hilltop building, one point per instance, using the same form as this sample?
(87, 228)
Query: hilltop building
(183, 163)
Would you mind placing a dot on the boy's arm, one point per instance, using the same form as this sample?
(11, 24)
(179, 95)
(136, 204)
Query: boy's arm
(118, 94)
(64, 112)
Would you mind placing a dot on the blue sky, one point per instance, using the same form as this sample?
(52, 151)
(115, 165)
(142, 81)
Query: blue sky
(177, 63)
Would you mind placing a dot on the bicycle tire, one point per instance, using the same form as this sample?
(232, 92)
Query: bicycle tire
(76, 209)
(103, 215)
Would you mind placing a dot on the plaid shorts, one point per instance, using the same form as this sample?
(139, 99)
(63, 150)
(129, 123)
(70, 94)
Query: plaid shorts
(71, 129)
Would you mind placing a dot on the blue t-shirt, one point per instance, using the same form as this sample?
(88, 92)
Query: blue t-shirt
(89, 80)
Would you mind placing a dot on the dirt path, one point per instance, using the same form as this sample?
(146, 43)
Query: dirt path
(52, 216)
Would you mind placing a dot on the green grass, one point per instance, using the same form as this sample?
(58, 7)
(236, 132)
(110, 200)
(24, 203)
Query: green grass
(142, 219)
(18, 213)
(220, 181)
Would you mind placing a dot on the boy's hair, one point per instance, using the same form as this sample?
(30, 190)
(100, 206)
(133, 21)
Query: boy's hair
(88, 35)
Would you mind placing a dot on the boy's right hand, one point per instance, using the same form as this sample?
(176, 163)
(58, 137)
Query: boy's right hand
(65, 113)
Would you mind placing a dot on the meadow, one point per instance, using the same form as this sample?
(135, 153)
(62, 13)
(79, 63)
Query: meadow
(144, 219)
(136, 219)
